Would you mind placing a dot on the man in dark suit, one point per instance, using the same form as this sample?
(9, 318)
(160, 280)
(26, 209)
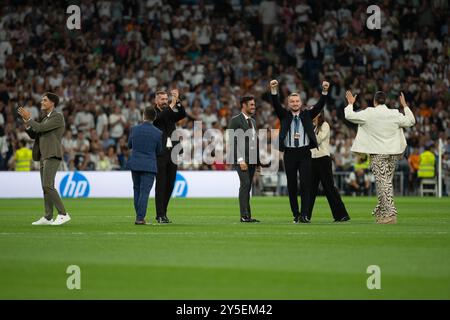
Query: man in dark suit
(245, 156)
(296, 138)
(47, 149)
(145, 142)
(166, 118)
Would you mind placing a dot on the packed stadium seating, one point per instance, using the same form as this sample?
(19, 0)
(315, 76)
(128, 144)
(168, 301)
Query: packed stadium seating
(214, 52)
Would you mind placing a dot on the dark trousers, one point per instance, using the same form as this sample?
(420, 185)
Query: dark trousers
(245, 179)
(297, 161)
(165, 181)
(322, 173)
(48, 169)
(142, 184)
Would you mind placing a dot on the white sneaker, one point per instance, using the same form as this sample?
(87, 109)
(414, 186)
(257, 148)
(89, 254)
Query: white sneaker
(42, 222)
(60, 219)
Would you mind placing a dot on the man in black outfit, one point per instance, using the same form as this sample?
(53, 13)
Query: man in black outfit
(296, 138)
(245, 153)
(166, 118)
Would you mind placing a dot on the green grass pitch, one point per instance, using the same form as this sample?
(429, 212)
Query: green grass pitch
(207, 254)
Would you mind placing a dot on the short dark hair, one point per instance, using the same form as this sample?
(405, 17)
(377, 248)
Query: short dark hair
(158, 92)
(246, 99)
(149, 113)
(52, 97)
(380, 97)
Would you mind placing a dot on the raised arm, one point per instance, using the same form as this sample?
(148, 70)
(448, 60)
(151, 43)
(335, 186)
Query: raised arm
(174, 112)
(317, 108)
(279, 110)
(54, 122)
(178, 113)
(359, 117)
(407, 120)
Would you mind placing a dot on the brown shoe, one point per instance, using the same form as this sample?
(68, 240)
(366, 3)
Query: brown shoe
(391, 220)
(140, 222)
(387, 220)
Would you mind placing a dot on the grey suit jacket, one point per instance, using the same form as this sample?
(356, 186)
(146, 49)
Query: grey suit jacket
(47, 134)
(241, 147)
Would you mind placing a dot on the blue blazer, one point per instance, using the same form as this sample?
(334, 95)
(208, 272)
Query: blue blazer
(145, 142)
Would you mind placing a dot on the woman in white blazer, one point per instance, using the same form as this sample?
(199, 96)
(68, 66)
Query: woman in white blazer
(380, 134)
(322, 171)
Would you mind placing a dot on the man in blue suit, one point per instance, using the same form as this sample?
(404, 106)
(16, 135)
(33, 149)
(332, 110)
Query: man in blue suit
(145, 142)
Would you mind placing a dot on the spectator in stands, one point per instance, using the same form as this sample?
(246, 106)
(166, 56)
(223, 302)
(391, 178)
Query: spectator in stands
(427, 163)
(446, 173)
(136, 56)
(117, 122)
(112, 157)
(358, 183)
(23, 157)
(82, 144)
(104, 164)
(414, 162)
(4, 148)
(84, 120)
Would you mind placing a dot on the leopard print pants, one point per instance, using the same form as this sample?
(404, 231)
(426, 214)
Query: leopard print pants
(383, 168)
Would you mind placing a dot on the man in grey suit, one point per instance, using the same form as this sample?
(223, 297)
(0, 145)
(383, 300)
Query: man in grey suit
(47, 135)
(245, 157)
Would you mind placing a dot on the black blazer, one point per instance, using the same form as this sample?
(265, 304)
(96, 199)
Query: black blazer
(306, 116)
(165, 121)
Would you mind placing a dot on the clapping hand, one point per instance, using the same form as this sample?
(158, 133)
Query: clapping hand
(24, 113)
(403, 100)
(350, 98)
(175, 95)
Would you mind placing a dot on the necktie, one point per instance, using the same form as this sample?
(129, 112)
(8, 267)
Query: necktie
(250, 124)
(296, 126)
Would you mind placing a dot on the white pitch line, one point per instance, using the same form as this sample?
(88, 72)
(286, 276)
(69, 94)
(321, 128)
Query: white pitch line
(218, 233)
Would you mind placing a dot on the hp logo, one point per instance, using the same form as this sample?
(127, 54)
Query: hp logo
(74, 185)
(181, 187)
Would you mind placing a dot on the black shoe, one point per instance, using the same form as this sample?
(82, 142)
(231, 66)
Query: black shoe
(296, 219)
(343, 219)
(304, 219)
(248, 219)
(163, 220)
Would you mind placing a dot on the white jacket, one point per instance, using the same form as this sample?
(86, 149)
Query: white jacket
(323, 141)
(380, 129)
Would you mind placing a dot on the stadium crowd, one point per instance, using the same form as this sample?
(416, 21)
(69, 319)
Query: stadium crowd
(215, 52)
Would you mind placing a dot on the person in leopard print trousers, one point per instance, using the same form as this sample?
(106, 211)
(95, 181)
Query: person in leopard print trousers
(380, 134)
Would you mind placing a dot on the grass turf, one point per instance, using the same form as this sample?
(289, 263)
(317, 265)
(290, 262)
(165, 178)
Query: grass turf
(207, 254)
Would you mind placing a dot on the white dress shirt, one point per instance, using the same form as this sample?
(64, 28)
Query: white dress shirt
(380, 129)
(253, 125)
